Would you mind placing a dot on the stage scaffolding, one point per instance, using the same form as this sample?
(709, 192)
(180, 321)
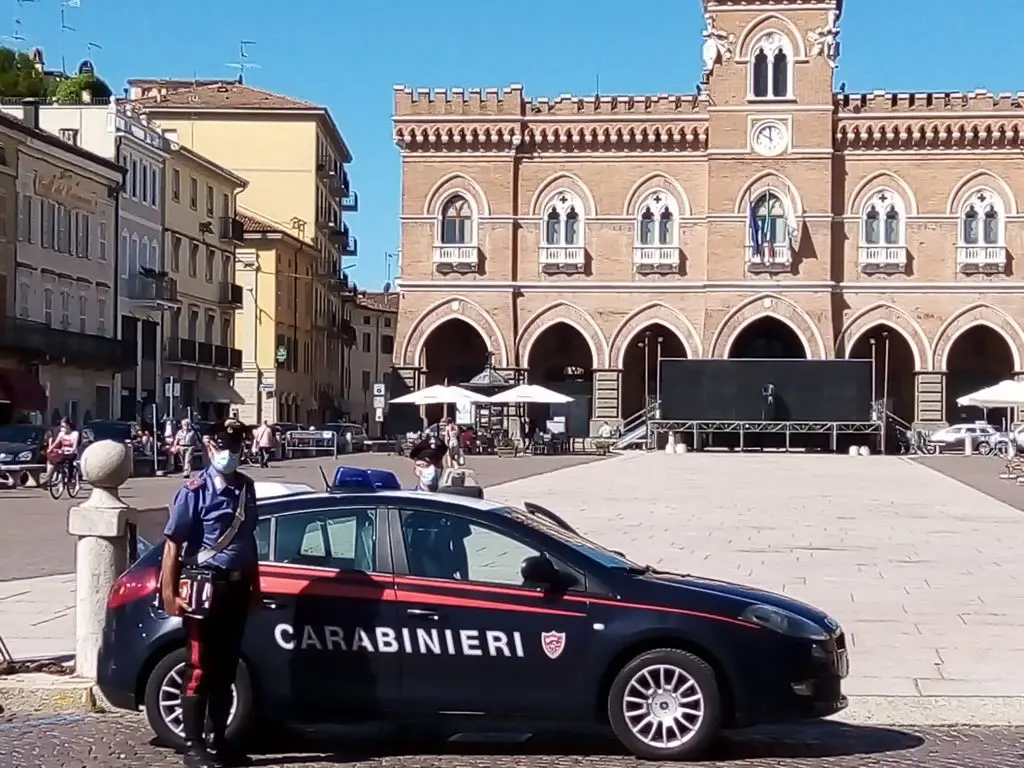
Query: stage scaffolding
(697, 431)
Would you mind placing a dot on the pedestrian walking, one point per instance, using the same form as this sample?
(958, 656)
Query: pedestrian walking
(184, 446)
(264, 440)
(210, 577)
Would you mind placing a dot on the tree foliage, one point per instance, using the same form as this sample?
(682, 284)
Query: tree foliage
(69, 91)
(19, 77)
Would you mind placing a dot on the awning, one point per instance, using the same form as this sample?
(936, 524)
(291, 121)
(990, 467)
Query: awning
(219, 391)
(22, 390)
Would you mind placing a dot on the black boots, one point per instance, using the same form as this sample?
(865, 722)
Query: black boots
(220, 710)
(193, 717)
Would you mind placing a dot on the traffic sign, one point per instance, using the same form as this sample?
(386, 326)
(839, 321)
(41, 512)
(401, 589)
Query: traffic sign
(282, 353)
(378, 402)
(379, 415)
(378, 391)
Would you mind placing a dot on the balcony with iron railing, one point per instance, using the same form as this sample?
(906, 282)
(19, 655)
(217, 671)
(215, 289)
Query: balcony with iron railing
(981, 258)
(563, 259)
(775, 258)
(231, 229)
(664, 259)
(39, 342)
(877, 258)
(456, 257)
(202, 354)
(151, 288)
(229, 295)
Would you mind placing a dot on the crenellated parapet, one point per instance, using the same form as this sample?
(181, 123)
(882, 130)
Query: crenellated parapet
(493, 120)
(909, 134)
(880, 102)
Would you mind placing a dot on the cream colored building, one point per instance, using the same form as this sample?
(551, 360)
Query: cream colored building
(201, 232)
(293, 157)
(65, 297)
(374, 318)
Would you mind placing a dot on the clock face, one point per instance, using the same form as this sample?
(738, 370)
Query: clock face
(769, 139)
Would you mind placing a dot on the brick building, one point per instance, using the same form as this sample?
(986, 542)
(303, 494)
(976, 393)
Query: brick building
(767, 215)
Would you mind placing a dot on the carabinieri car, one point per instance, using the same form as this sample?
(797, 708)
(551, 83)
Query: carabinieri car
(457, 612)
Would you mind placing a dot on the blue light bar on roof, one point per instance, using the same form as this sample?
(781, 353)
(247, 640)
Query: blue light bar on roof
(363, 480)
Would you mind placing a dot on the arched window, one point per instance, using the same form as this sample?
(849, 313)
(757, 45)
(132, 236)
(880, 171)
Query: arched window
(563, 223)
(456, 221)
(657, 220)
(883, 220)
(982, 221)
(771, 67)
(770, 220)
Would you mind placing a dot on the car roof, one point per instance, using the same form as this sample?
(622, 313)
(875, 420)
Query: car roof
(294, 502)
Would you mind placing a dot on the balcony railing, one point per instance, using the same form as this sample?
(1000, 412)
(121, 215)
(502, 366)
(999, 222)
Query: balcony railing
(203, 354)
(656, 258)
(972, 259)
(327, 268)
(340, 328)
(325, 170)
(349, 246)
(882, 258)
(350, 201)
(231, 229)
(155, 289)
(456, 258)
(230, 295)
(41, 343)
(558, 258)
(778, 258)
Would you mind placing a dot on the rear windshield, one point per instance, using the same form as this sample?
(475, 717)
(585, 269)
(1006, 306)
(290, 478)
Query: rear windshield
(582, 545)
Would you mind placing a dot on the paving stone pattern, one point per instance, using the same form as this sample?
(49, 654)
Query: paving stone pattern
(923, 572)
(101, 741)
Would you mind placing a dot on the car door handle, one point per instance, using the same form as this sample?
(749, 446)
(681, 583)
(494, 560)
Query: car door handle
(420, 613)
(273, 605)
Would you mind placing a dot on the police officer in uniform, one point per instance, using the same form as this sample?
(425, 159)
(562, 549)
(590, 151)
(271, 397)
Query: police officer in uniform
(209, 577)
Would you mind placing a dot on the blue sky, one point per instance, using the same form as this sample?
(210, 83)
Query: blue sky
(347, 54)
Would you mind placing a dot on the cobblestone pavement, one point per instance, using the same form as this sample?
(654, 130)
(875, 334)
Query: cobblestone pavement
(35, 541)
(100, 741)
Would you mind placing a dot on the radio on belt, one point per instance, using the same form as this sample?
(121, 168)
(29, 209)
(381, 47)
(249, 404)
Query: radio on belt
(360, 480)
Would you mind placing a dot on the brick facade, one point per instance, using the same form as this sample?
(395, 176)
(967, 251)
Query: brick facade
(924, 163)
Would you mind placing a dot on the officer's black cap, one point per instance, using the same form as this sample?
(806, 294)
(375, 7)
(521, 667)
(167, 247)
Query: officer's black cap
(227, 433)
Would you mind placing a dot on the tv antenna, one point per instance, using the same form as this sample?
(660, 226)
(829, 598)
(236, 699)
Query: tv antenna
(243, 62)
(64, 26)
(90, 49)
(16, 36)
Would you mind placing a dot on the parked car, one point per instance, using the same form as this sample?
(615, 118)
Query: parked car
(22, 453)
(983, 438)
(341, 428)
(457, 612)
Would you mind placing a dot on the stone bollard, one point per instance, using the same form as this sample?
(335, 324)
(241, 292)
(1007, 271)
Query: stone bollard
(853, 451)
(670, 446)
(864, 450)
(101, 555)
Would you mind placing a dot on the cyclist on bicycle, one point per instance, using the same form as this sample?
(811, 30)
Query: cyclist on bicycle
(62, 447)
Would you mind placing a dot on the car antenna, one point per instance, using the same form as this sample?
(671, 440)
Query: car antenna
(327, 485)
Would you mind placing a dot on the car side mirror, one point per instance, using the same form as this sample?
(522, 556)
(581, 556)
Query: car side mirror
(538, 570)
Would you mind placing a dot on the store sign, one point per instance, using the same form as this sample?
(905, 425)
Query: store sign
(64, 188)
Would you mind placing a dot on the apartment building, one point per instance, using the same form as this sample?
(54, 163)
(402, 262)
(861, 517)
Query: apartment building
(113, 130)
(201, 233)
(283, 313)
(61, 342)
(293, 157)
(374, 318)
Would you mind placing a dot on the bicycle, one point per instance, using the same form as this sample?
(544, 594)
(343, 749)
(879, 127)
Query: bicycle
(66, 478)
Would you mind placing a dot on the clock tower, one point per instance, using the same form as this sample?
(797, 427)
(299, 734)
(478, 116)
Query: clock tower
(768, 72)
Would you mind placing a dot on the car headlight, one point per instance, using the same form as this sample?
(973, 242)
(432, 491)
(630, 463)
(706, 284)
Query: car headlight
(784, 622)
(5, 457)
(24, 456)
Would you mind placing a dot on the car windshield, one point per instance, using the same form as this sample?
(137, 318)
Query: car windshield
(584, 546)
(19, 433)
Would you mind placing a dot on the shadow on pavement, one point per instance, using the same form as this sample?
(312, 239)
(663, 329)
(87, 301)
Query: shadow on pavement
(809, 741)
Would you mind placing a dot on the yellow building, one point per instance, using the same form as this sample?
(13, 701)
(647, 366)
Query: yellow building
(11, 139)
(293, 157)
(201, 231)
(289, 333)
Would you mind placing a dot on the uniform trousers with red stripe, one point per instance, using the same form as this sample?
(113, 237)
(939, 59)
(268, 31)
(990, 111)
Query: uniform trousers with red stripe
(214, 644)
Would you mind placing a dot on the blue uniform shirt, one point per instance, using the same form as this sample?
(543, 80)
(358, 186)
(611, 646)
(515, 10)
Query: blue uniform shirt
(203, 510)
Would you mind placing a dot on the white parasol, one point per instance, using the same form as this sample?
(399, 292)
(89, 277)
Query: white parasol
(530, 393)
(1005, 394)
(439, 394)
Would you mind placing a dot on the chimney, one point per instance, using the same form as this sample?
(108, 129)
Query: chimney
(30, 113)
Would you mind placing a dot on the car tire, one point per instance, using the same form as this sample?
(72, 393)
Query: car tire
(241, 719)
(984, 448)
(689, 676)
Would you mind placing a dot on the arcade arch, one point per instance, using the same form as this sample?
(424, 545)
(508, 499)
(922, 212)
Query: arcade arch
(454, 351)
(978, 356)
(893, 364)
(767, 336)
(561, 358)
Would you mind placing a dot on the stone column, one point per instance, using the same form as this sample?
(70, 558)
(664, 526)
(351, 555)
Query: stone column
(929, 399)
(606, 405)
(1017, 414)
(101, 555)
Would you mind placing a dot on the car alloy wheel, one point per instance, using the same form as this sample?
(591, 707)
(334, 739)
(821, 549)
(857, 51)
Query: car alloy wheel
(984, 448)
(664, 705)
(170, 700)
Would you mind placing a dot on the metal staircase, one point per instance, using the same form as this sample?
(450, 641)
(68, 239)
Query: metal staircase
(634, 429)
